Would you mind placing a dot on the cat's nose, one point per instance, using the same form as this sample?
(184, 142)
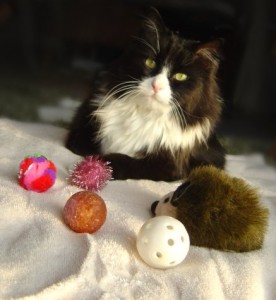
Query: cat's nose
(156, 86)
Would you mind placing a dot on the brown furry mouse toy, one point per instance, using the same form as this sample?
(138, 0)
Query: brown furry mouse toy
(218, 211)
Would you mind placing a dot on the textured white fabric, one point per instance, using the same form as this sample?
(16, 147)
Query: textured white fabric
(40, 258)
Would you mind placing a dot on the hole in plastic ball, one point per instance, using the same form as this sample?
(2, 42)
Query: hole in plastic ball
(170, 242)
(172, 262)
(182, 239)
(159, 254)
(170, 227)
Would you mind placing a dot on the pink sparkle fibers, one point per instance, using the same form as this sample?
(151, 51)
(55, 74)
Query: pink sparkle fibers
(91, 173)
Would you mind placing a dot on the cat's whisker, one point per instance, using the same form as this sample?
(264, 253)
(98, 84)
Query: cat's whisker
(178, 113)
(189, 114)
(135, 79)
(126, 88)
(152, 26)
(144, 90)
(131, 81)
(129, 94)
(193, 116)
(117, 89)
(119, 85)
(143, 41)
(112, 91)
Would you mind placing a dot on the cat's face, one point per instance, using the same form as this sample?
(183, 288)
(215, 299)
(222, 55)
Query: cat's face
(154, 91)
(164, 72)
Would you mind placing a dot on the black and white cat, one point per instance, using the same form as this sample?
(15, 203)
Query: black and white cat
(154, 111)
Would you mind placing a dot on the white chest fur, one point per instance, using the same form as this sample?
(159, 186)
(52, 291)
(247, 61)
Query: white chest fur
(128, 128)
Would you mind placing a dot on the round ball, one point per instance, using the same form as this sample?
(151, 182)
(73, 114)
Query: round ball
(163, 242)
(84, 212)
(91, 173)
(36, 173)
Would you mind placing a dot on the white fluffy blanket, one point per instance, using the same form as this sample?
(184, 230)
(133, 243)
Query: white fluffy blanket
(40, 258)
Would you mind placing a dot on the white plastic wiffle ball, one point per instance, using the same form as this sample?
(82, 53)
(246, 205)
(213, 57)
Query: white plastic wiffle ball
(163, 242)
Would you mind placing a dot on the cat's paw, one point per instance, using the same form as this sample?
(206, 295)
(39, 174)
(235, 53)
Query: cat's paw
(120, 165)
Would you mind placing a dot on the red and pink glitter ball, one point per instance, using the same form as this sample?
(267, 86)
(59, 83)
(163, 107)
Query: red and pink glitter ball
(85, 212)
(91, 173)
(36, 173)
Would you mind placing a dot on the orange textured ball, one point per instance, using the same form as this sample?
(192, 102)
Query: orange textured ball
(84, 212)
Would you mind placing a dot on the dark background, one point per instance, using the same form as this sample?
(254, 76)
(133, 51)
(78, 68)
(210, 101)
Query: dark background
(59, 45)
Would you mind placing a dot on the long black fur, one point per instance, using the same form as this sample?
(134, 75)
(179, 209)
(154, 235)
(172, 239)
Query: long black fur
(198, 98)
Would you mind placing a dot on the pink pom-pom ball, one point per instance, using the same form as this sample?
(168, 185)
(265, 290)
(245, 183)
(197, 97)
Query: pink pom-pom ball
(91, 173)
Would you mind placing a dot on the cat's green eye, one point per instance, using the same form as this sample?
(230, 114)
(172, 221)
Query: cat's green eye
(150, 63)
(180, 76)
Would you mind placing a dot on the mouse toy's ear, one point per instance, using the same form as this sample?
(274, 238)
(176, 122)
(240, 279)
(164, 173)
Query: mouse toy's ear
(179, 193)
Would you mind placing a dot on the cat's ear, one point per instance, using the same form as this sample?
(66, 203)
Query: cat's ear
(210, 51)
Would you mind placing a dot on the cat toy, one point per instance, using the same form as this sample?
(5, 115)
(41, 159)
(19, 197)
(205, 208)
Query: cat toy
(163, 242)
(36, 173)
(85, 212)
(218, 211)
(91, 173)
